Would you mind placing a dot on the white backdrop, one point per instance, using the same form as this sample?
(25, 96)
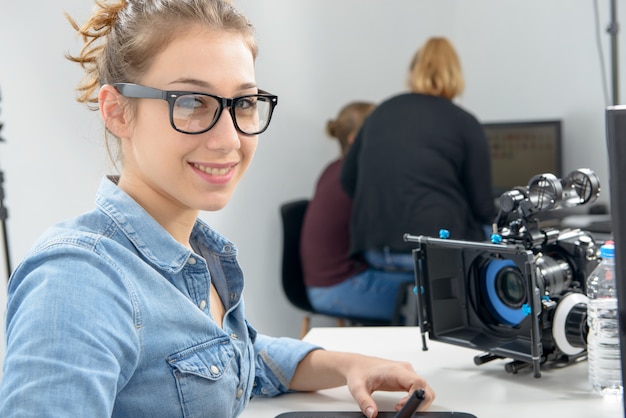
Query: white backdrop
(523, 59)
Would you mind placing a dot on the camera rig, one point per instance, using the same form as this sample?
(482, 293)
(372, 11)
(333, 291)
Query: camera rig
(520, 296)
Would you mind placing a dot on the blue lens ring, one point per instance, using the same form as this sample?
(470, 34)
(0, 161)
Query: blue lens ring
(497, 308)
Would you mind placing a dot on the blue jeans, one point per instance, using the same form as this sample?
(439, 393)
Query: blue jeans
(386, 260)
(371, 294)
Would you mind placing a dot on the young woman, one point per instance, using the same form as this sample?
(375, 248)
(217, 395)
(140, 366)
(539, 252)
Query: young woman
(338, 284)
(419, 164)
(135, 308)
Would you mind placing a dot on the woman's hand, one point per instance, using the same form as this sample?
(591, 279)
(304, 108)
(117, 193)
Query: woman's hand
(363, 375)
(369, 374)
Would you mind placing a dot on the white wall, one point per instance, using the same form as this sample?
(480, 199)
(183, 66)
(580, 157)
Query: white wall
(523, 59)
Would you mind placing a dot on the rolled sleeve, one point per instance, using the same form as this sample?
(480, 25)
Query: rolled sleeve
(276, 363)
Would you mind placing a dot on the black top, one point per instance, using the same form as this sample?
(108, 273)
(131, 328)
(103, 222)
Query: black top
(419, 164)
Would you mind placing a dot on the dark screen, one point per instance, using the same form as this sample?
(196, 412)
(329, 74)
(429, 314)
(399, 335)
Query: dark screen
(521, 150)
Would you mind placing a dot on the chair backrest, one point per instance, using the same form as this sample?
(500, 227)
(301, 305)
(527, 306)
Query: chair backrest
(292, 214)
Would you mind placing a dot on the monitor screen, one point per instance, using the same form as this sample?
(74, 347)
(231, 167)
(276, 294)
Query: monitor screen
(521, 150)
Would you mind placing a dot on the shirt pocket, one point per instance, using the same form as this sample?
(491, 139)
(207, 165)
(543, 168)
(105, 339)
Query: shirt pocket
(205, 378)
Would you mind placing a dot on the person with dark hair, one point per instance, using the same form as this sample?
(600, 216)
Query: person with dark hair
(135, 308)
(338, 284)
(419, 164)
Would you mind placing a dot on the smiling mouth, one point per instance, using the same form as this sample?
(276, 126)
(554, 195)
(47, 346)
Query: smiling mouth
(213, 171)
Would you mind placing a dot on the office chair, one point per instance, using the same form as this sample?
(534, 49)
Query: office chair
(292, 215)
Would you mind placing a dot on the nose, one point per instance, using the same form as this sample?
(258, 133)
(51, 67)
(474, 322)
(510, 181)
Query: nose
(223, 136)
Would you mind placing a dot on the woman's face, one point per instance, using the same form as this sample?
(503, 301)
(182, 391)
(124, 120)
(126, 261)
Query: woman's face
(167, 171)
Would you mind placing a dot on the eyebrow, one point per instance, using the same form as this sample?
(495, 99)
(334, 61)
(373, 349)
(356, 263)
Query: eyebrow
(206, 85)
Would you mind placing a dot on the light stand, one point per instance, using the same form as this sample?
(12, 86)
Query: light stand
(4, 214)
(3, 218)
(613, 30)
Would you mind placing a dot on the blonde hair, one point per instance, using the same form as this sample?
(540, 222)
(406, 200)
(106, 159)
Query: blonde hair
(436, 70)
(122, 38)
(348, 122)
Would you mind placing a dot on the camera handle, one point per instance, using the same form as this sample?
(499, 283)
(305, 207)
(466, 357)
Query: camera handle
(422, 316)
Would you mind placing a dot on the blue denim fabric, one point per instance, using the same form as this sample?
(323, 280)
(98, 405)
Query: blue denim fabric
(108, 316)
(370, 294)
(386, 260)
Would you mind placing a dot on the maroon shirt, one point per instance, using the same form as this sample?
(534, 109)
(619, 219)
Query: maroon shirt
(325, 241)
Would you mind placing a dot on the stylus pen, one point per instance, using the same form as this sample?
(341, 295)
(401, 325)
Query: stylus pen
(411, 404)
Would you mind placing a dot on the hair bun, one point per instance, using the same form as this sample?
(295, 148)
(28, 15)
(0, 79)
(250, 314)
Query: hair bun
(331, 128)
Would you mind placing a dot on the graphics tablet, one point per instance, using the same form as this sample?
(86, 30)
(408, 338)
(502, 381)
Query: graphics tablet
(382, 414)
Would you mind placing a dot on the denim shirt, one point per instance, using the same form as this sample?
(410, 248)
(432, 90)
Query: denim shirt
(109, 316)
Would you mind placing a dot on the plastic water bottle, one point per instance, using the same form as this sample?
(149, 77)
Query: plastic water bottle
(603, 348)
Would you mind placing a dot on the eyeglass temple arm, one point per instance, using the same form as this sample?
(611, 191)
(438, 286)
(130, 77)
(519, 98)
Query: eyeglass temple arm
(141, 92)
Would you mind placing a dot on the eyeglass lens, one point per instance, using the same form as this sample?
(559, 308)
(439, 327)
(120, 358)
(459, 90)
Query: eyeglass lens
(194, 113)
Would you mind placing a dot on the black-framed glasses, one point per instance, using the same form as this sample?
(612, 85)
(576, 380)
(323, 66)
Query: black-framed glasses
(195, 113)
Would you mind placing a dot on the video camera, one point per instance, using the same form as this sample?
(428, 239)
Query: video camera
(522, 295)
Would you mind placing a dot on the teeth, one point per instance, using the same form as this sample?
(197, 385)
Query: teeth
(212, 171)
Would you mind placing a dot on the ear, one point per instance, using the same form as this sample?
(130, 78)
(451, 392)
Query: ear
(112, 111)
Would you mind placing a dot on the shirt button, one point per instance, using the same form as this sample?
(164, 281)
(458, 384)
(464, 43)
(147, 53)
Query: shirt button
(214, 369)
(202, 304)
(233, 336)
(191, 261)
(239, 392)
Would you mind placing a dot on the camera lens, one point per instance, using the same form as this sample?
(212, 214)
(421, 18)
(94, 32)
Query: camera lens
(510, 287)
(554, 274)
(503, 288)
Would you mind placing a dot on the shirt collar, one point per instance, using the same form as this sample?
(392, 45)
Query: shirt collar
(149, 237)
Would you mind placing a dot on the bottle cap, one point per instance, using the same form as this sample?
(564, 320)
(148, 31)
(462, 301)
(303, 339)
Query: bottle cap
(607, 250)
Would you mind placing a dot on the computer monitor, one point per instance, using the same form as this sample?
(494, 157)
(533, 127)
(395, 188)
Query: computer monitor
(616, 146)
(521, 150)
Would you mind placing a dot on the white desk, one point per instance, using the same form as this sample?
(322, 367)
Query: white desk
(486, 391)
